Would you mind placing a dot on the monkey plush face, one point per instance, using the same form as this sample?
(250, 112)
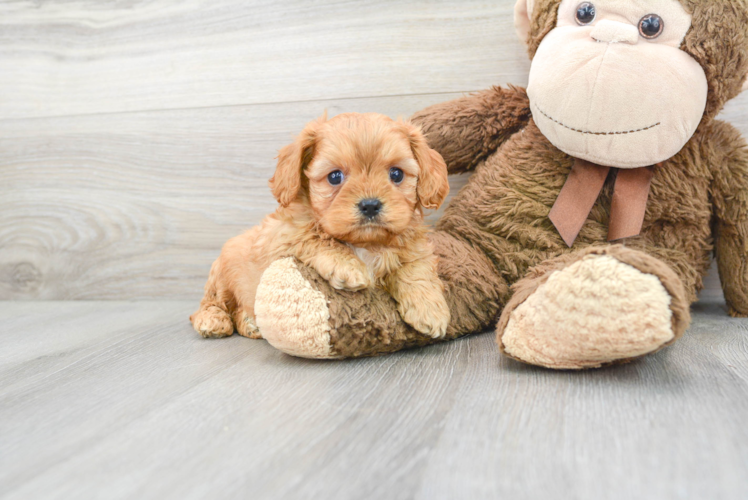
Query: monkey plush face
(611, 85)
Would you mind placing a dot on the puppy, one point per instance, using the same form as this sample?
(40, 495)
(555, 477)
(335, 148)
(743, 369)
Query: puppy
(351, 192)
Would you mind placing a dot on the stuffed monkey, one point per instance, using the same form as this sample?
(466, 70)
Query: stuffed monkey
(599, 198)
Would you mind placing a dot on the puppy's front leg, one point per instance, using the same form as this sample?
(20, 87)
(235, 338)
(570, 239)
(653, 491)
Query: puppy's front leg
(336, 263)
(420, 297)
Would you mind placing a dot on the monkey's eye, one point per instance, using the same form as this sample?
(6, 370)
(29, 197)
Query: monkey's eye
(396, 175)
(585, 13)
(651, 26)
(335, 178)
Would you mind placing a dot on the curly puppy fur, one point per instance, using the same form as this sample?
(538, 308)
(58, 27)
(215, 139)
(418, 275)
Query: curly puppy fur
(496, 232)
(323, 224)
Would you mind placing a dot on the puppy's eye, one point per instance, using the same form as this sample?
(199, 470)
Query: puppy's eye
(335, 178)
(585, 13)
(396, 175)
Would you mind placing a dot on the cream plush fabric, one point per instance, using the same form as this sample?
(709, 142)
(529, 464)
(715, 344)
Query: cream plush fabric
(603, 93)
(595, 311)
(307, 334)
(522, 13)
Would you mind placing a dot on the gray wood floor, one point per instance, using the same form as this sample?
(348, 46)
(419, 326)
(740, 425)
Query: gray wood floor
(137, 136)
(123, 400)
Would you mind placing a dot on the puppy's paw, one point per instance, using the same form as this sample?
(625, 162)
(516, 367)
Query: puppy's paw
(429, 314)
(351, 276)
(212, 323)
(246, 326)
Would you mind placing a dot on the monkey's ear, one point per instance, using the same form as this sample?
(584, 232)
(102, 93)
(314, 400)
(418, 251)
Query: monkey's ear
(433, 183)
(522, 15)
(286, 182)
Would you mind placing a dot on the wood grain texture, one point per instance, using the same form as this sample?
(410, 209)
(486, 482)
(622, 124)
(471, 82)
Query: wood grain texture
(123, 400)
(137, 206)
(162, 155)
(137, 136)
(83, 57)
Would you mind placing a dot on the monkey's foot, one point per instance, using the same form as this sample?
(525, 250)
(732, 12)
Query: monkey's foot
(592, 308)
(292, 315)
(302, 314)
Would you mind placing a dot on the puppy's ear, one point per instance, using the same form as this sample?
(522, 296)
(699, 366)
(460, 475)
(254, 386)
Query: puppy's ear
(286, 182)
(433, 184)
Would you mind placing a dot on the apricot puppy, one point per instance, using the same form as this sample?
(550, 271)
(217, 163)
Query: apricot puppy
(351, 192)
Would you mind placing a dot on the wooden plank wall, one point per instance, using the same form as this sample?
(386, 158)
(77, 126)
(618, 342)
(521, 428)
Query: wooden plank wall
(137, 136)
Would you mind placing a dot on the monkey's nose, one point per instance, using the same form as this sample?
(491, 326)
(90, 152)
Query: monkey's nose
(608, 31)
(370, 207)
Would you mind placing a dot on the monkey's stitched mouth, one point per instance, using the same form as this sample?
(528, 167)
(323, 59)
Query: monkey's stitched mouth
(624, 132)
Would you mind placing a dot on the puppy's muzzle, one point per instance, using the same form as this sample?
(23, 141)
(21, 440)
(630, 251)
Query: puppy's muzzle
(370, 207)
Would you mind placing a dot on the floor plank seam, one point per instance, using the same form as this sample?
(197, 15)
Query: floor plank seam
(239, 105)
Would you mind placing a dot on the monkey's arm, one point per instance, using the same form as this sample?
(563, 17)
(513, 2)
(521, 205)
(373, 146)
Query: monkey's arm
(730, 196)
(467, 130)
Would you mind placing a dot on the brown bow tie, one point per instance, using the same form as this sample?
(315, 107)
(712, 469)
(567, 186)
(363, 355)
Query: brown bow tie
(581, 190)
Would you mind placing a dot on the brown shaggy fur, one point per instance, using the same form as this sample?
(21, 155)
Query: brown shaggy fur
(496, 231)
(321, 224)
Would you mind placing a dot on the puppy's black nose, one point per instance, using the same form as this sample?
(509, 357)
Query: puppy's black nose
(370, 207)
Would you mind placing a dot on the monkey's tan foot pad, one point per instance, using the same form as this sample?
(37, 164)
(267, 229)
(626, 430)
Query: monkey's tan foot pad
(598, 307)
(301, 314)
